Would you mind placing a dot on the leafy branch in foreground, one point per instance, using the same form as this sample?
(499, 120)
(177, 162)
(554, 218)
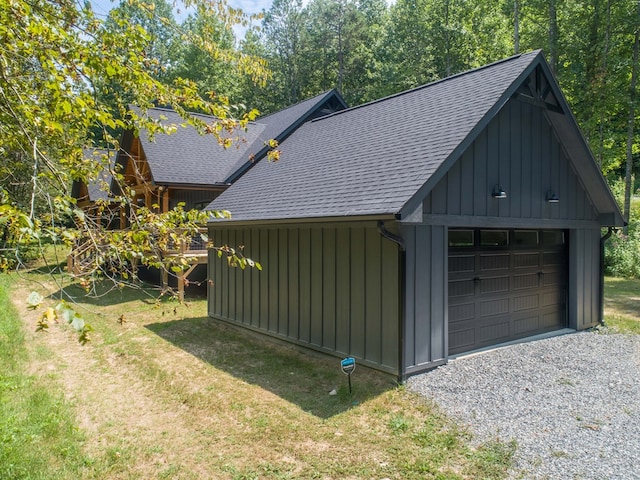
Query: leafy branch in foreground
(67, 79)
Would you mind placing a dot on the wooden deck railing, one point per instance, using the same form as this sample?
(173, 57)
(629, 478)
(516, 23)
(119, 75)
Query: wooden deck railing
(82, 258)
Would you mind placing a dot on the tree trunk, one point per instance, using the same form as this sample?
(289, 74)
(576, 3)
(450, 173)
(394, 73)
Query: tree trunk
(516, 27)
(447, 40)
(340, 20)
(603, 86)
(628, 176)
(553, 37)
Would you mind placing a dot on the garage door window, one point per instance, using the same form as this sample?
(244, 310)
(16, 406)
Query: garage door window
(461, 238)
(552, 237)
(494, 238)
(525, 238)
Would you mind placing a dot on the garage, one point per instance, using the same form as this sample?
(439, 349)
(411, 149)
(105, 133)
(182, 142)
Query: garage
(504, 285)
(474, 221)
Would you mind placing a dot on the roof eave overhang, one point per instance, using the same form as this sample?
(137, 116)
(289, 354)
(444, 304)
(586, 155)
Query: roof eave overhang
(586, 168)
(193, 186)
(301, 220)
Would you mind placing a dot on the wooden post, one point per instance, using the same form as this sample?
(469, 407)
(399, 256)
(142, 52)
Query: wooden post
(182, 276)
(181, 287)
(165, 279)
(165, 201)
(70, 263)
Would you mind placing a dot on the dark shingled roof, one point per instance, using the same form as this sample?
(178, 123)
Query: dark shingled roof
(281, 124)
(383, 158)
(371, 159)
(96, 188)
(187, 157)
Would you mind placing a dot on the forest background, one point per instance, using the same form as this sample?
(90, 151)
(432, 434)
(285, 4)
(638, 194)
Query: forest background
(367, 49)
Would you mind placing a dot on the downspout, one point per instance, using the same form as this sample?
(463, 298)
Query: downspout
(603, 240)
(401, 294)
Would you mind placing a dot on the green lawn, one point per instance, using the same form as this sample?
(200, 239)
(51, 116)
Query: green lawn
(622, 305)
(162, 391)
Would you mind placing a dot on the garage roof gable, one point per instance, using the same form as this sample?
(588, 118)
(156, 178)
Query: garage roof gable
(384, 157)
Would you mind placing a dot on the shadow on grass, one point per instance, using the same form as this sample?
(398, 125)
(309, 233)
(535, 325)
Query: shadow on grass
(299, 376)
(108, 292)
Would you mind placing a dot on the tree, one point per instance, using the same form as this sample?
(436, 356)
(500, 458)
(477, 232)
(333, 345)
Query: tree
(282, 26)
(58, 64)
(633, 94)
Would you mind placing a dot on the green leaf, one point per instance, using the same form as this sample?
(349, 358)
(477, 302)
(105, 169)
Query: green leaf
(34, 300)
(77, 322)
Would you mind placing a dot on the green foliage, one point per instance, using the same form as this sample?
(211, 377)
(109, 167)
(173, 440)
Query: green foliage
(622, 305)
(67, 79)
(622, 252)
(17, 233)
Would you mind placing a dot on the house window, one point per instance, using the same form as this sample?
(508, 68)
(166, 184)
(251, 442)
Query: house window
(461, 238)
(201, 205)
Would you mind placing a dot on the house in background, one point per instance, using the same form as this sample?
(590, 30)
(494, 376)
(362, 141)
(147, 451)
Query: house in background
(451, 217)
(90, 197)
(192, 168)
(189, 167)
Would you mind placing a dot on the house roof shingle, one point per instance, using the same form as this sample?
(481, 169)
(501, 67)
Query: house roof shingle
(371, 159)
(383, 158)
(97, 189)
(189, 158)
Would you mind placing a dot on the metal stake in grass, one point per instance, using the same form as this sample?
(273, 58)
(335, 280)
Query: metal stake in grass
(348, 365)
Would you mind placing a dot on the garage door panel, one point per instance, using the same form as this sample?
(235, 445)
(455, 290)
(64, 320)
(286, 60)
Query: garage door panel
(525, 302)
(526, 260)
(465, 311)
(551, 279)
(494, 307)
(499, 293)
(495, 332)
(465, 263)
(553, 258)
(553, 298)
(494, 262)
(552, 320)
(494, 285)
(461, 288)
(462, 340)
(529, 280)
(526, 325)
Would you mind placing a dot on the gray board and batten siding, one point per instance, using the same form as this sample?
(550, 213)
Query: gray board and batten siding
(332, 287)
(335, 282)
(519, 151)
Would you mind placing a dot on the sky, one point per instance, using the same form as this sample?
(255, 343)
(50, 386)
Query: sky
(249, 6)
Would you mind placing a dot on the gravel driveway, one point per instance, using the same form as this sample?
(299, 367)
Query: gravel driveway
(572, 403)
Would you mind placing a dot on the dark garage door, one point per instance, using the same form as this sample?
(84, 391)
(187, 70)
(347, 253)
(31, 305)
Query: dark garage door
(505, 285)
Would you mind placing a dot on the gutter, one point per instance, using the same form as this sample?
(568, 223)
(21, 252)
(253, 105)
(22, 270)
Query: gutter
(603, 240)
(402, 261)
(351, 219)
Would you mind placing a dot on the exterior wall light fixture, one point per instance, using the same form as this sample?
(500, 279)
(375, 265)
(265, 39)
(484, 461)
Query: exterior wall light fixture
(551, 197)
(498, 192)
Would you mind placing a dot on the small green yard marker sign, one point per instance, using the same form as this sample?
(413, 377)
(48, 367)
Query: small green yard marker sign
(348, 365)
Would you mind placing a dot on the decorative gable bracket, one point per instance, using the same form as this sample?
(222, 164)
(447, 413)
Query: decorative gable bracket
(536, 90)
